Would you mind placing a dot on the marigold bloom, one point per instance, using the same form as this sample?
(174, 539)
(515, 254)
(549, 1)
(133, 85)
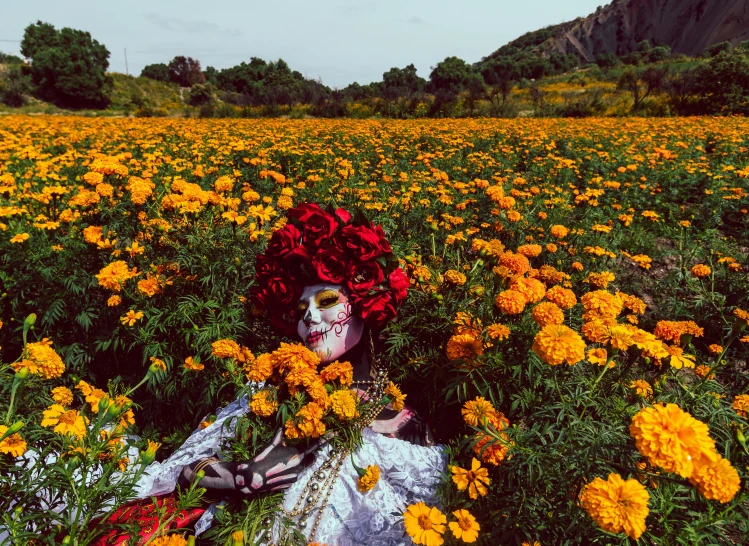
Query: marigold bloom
(465, 323)
(397, 398)
(464, 346)
(65, 421)
(263, 403)
(92, 395)
(700, 270)
(424, 525)
(291, 356)
(562, 297)
(557, 343)
(716, 480)
(601, 280)
(130, 318)
(369, 479)
(500, 332)
(170, 540)
(597, 356)
(114, 275)
(193, 365)
(616, 505)
(511, 302)
(114, 301)
(546, 313)
(225, 348)
(715, 349)
(338, 371)
(672, 439)
(41, 359)
(260, 369)
(13, 445)
(455, 277)
(678, 359)
(466, 528)
(478, 411)
(741, 405)
(601, 304)
(344, 404)
(475, 480)
(20, 238)
(530, 251)
(517, 263)
(641, 388)
(558, 231)
(62, 395)
(533, 289)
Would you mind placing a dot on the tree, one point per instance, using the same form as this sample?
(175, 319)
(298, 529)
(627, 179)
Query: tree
(158, 72)
(68, 67)
(200, 94)
(15, 87)
(402, 82)
(653, 78)
(716, 49)
(211, 75)
(185, 71)
(607, 60)
(501, 75)
(6, 58)
(659, 53)
(723, 83)
(452, 75)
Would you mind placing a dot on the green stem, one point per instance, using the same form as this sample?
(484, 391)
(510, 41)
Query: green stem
(595, 383)
(12, 400)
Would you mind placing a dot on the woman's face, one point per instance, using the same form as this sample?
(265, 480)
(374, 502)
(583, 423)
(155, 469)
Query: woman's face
(326, 323)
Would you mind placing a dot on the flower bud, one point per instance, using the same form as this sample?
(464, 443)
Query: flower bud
(12, 429)
(22, 374)
(191, 540)
(30, 320)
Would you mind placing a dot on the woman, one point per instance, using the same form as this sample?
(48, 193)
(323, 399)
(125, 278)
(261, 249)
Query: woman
(334, 283)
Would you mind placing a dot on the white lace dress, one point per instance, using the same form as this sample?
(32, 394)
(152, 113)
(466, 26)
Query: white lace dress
(408, 474)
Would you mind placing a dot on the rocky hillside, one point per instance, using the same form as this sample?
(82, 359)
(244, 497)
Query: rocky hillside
(688, 26)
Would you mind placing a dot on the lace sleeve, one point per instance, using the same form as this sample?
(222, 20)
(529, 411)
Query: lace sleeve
(161, 478)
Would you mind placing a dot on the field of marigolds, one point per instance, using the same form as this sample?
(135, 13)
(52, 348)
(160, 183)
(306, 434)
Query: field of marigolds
(575, 331)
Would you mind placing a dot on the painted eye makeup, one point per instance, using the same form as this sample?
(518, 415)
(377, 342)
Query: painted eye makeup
(326, 299)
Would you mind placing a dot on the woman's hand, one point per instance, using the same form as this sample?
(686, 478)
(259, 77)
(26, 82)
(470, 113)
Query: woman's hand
(273, 469)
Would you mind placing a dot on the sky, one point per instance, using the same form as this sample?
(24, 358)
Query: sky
(336, 41)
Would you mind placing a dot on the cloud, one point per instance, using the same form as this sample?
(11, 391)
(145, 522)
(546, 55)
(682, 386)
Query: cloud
(414, 20)
(175, 24)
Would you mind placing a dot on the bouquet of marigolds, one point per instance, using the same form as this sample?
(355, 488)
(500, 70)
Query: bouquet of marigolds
(67, 458)
(309, 401)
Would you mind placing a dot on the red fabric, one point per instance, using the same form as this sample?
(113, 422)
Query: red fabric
(143, 512)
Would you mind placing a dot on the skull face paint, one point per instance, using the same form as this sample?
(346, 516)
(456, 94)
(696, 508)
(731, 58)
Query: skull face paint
(326, 323)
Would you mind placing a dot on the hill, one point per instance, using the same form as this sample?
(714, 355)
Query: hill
(687, 26)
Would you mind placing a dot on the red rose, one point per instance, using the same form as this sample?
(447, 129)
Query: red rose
(318, 225)
(331, 264)
(282, 289)
(362, 242)
(284, 241)
(343, 215)
(378, 308)
(399, 283)
(363, 276)
(298, 263)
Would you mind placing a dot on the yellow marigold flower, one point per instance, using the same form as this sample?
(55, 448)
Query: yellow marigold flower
(455, 277)
(716, 480)
(260, 369)
(478, 411)
(641, 388)
(397, 398)
(263, 403)
(114, 301)
(114, 275)
(700, 270)
(41, 359)
(617, 506)
(678, 359)
(669, 330)
(344, 404)
(546, 313)
(225, 348)
(369, 479)
(310, 423)
(20, 238)
(65, 421)
(490, 449)
(424, 525)
(533, 289)
(601, 280)
(514, 216)
(62, 395)
(157, 363)
(464, 346)
(672, 439)
(562, 297)
(150, 286)
(475, 480)
(13, 445)
(171, 540)
(465, 323)
(292, 356)
(193, 365)
(92, 395)
(741, 315)
(130, 318)
(559, 231)
(741, 405)
(466, 528)
(338, 371)
(557, 343)
(597, 356)
(601, 304)
(497, 331)
(511, 302)
(633, 303)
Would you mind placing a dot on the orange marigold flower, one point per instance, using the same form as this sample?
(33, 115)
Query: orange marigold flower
(225, 348)
(562, 297)
(292, 356)
(546, 313)
(557, 343)
(715, 348)
(517, 263)
(616, 505)
(511, 302)
(533, 289)
(700, 270)
(338, 371)
(497, 331)
(716, 480)
(464, 346)
(741, 405)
